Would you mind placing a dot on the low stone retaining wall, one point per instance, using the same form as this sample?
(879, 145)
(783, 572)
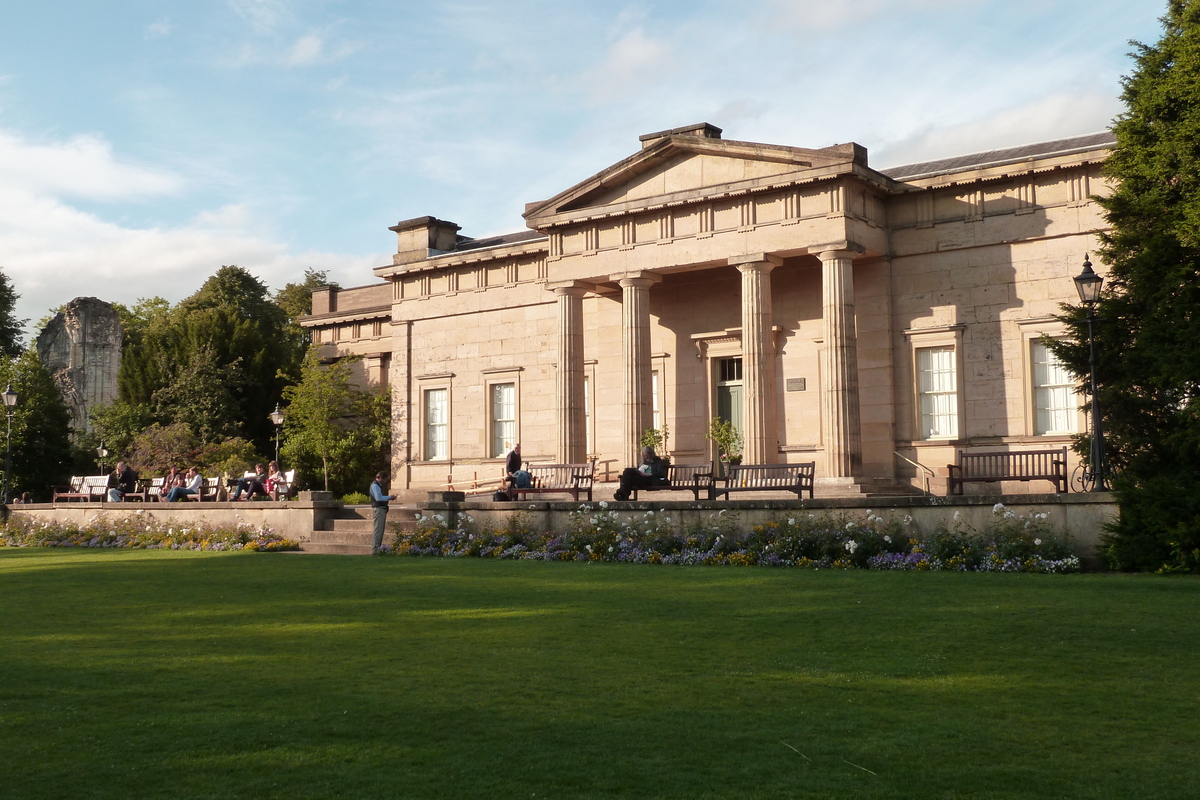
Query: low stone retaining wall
(1080, 516)
(293, 519)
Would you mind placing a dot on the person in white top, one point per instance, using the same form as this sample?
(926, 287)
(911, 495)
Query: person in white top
(194, 483)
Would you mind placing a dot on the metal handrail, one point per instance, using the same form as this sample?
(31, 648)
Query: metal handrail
(928, 472)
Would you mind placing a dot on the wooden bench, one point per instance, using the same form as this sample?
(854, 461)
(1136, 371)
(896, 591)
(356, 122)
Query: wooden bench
(88, 489)
(572, 479)
(146, 490)
(692, 478)
(798, 478)
(209, 490)
(1019, 465)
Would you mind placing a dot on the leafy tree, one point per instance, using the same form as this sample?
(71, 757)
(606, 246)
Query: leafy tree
(296, 298)
(334, 429)
(159, 447)
(1148, 332)
(115, 426)
(217, 362)
(41, 427)
(11, 328)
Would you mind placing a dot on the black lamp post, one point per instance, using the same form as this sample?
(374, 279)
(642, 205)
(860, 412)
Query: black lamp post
(276, 418)
(1088, 284)
(102, 452)
(10, 402)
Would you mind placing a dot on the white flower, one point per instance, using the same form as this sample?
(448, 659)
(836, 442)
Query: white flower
(649, 513)
(604, 504)
(1010, 514)
(588, 548)
(791, 520)
(610, 548)
(908, 519)
(956, 515)
(1037, 541)
(887, 538)
(849, 525)
(851, 545)
(998, 508)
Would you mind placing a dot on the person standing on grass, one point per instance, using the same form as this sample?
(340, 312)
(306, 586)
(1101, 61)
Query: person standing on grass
(379, 509)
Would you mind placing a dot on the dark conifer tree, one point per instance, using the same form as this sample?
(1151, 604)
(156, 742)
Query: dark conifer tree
(1148, 334)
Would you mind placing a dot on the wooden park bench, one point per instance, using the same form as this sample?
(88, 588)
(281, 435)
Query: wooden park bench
(572, 479)
(88, 489)
(210, 490)
(146, 490)
(692, 478)
(798, 478)
(1020, 465)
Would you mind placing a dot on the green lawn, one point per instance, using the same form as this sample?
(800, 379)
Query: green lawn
(161, 674)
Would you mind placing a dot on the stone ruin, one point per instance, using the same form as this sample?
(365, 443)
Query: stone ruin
(81, 348)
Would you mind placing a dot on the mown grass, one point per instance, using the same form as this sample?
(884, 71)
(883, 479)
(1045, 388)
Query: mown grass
(160, 674)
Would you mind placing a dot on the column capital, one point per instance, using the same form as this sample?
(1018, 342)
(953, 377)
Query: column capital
(835, 250)
(569, 288)
(637, 279)
(755, 260)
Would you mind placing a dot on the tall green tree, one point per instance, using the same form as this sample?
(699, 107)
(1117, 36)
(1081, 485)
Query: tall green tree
(41, 427)
(218, 361)
(333, 429)
(11, 328)
(1148, 332)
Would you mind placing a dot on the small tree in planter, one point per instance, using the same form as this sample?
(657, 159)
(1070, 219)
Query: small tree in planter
(729, 441)
(657, 438)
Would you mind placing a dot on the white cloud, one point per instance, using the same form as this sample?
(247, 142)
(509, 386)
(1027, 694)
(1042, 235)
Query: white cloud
(262, 14)
(306, 50)
(83, 166)
(157, 30)
(54, 251)
(1053, 116)
(826, 15)
(632, 63)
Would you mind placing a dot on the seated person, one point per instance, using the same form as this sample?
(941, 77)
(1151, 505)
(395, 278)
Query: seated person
(122, 481)
(514, 476)
(252, 485)
(276, 480)
(652, 472)
(195, 483)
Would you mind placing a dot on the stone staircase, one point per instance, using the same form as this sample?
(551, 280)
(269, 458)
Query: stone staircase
(348, 533)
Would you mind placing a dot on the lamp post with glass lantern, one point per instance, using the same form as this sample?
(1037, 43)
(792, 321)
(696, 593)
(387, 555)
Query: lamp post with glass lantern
(1088, 284)
(102, 453)
(276, 418)
(10, 402)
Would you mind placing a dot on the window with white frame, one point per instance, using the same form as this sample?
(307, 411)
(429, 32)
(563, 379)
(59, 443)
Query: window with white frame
(1054, 404)
(937, 393)
(504, 418)
(436, 425)
(587, 411)
(654, 383)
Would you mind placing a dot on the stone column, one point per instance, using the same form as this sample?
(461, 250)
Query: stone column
(572, 437)
(400, 382)
(839, 402)
(760, 440)
(635, 336)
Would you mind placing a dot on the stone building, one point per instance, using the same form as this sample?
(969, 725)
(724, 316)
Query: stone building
(81, 348)
(870, 320)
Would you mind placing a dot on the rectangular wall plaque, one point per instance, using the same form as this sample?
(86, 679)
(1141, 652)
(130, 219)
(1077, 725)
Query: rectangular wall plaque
(795, 384)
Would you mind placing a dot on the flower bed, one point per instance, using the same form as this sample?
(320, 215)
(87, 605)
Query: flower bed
(140, 532)
(1009, 543)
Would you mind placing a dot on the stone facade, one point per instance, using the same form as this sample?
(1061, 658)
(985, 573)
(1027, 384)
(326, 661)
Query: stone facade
(870, 320)
(81, 348)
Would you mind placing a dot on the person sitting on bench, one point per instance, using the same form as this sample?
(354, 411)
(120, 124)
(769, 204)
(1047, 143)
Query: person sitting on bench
(653, 471)
(194, 484)
(252, 485)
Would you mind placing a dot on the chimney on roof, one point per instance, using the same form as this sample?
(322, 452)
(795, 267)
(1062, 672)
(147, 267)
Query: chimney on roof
(418, 236)
(701, 130)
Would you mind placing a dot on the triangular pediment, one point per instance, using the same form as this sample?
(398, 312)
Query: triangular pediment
(680, 169)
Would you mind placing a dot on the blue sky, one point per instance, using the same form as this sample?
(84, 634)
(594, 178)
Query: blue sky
(145, 143)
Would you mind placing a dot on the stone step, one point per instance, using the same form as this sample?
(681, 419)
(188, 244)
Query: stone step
(349, 525)
(336, 549)
(342, 537)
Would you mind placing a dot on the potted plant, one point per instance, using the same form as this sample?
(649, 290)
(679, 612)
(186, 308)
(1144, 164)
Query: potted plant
(728, 441)
(657, 438)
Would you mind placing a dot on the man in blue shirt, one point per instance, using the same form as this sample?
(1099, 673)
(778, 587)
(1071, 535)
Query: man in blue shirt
(379, 509)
